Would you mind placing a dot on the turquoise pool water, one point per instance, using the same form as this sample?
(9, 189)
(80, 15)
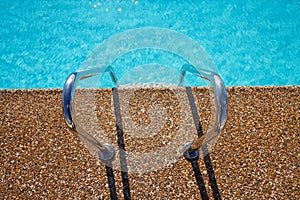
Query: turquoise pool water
(251, 42)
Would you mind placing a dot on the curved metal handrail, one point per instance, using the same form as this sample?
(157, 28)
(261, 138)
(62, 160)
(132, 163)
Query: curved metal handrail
(106, 151)
(221, 97)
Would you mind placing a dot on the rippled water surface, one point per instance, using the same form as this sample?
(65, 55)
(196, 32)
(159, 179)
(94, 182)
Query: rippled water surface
(251, 42)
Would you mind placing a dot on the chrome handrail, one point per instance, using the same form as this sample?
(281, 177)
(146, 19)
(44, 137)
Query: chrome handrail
(106, 151)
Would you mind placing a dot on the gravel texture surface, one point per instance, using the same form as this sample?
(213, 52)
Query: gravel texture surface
(256, 157)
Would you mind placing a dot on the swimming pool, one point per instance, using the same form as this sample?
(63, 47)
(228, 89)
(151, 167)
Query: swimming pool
(251, 42)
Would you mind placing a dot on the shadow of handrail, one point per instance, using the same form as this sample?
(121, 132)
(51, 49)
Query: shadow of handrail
(212, 177)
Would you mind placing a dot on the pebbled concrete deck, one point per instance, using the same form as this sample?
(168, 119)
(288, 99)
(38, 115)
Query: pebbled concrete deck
(256, 157)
